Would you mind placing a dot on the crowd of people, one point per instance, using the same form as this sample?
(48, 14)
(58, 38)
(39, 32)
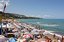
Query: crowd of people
(24, 34)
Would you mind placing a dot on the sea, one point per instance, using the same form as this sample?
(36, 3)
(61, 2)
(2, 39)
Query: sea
(55, 25)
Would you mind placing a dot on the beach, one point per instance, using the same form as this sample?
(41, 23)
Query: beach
(55, 25)
(31, 21)
(28, 32)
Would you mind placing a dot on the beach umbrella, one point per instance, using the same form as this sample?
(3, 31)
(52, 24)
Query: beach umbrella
(26, 36)
(30, 35)
(3, 26)
(46, 32)
(24, 30)
(15, 30)
(9, 25)
(41, 31)
(17, 25)
(32, 27)
(34, 31)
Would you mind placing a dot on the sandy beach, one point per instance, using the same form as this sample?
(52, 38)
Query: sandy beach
(24, 32)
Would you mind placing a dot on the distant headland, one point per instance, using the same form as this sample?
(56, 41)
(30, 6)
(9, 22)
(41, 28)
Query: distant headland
(17, 16)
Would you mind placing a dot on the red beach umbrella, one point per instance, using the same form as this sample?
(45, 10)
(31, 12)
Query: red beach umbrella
(26, 36)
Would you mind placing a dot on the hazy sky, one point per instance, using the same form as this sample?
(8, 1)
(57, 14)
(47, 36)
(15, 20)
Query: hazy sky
(38, 8)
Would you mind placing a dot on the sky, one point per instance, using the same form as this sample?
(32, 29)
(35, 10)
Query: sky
(51, 9)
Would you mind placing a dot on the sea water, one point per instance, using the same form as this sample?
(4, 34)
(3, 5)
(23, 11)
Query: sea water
(56, 25)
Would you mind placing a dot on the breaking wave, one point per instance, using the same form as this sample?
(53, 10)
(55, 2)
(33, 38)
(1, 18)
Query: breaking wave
(49, 25)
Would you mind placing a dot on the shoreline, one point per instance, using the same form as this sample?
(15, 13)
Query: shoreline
(54, 32)
(50, 32)
(59, 28)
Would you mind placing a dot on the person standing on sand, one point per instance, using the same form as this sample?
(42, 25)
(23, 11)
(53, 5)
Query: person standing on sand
(59, 40)
(62, 39)
(47, 39)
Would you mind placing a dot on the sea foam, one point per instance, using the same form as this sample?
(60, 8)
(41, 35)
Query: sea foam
(49, 25)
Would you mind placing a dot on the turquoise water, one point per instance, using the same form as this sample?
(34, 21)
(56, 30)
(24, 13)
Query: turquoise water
(56, 25)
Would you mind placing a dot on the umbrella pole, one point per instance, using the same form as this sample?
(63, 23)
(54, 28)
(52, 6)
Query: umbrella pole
(0, 24)
(34, 37)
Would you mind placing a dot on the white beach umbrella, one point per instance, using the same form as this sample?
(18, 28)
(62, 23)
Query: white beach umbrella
(9, 25)
(3, 25)
(45, 33)
(35, 31)
(15, 30)
(0, 26)
(16, 25)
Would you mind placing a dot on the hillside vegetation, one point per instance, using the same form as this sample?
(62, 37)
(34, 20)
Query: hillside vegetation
(17, 16)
